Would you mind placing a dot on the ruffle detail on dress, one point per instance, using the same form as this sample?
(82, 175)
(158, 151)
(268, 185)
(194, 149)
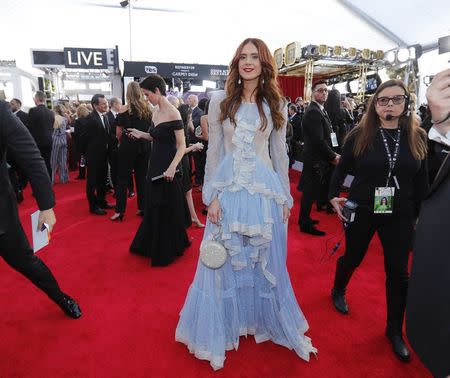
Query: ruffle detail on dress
(244, 169)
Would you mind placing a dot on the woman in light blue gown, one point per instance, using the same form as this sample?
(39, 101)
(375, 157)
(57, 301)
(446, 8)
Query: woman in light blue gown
(248, 196)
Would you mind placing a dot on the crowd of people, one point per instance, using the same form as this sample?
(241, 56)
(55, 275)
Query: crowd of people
(236, 148)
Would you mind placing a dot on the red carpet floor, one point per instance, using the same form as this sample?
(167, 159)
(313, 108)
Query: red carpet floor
(131, 310)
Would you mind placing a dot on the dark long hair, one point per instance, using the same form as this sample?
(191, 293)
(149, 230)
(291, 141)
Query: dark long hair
(365, 132)
(333, 106)
(267, 90)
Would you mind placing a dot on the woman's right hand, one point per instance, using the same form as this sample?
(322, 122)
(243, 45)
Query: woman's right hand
(214, 211)
(133, 133)
(337, 202)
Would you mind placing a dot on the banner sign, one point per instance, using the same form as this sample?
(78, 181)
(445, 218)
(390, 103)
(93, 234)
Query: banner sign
(85, 58)
(76, 57)
(181, 71)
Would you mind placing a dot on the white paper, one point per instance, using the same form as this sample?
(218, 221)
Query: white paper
(40, 238)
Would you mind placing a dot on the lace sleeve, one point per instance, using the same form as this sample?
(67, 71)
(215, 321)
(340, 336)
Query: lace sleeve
(216, 151)
(279, 157)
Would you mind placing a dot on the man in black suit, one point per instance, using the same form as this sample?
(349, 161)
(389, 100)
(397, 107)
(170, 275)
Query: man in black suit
(96, 139)
(318, 154)
(14, 246)
(41, 120)
(295, 118)
(16, 106)
(199, 157)
(428, 304)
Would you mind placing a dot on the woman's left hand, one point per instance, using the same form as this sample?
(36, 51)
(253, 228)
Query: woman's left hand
(169, 174)
(286, 213)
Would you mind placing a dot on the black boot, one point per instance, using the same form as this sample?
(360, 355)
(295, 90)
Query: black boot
(69, 306)
(341, 279)
(396, 302)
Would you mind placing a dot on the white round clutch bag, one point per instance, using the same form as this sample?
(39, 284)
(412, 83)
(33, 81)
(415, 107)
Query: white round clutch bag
(212, 254)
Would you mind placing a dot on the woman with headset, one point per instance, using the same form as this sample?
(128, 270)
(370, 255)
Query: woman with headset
(387, 152)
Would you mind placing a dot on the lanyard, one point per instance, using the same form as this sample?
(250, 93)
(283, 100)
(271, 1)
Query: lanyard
(329, 120)
(391, 158)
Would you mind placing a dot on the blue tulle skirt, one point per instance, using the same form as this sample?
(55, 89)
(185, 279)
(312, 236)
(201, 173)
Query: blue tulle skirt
(251, 294)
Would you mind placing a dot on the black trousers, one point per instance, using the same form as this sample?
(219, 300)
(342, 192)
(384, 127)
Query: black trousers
(311, 188)
(46, 153)
(131, 159)
(395, 234)
(17, 252)
(96, 183)
(200, 162)
(113, 164)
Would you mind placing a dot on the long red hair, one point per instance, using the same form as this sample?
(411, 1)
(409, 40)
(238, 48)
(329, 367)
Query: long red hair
(267, 90)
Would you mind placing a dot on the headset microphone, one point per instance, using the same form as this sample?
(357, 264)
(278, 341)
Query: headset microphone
(390, 117)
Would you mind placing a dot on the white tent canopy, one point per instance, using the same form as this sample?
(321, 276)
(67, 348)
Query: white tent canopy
(208, 31)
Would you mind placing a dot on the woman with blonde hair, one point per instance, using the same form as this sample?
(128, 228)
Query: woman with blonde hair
(247, 192)
(58, 158)
(132, 154)
(78, 127)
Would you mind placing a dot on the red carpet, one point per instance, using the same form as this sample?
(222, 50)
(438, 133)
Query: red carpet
(131, 310)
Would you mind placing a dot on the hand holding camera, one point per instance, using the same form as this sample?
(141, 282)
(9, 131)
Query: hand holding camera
(337, 203)
(438, 96)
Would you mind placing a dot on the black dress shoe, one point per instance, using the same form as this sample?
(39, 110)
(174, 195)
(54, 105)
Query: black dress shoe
(130, 194)
(399, 346)
(311, 230)
(140, 213)
(70, 307)
(98, 212)
(338, 298)
(107, 206)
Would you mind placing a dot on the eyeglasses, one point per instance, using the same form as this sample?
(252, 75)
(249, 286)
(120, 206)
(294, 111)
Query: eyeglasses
(396, 100)
(322, 90)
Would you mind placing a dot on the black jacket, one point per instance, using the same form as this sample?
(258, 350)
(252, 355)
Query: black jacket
(316, 134)
(24, 118)
(41, 121)
(94, 138)
(22, 148)
(428, 309)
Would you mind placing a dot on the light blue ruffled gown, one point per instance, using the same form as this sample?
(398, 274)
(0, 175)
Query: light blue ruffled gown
(247, 169)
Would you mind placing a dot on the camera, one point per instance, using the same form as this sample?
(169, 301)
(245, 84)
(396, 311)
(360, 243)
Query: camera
(349, 211)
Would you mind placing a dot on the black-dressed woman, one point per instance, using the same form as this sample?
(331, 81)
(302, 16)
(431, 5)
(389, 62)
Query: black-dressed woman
(162, 233)
(133, 154)
(387, 152)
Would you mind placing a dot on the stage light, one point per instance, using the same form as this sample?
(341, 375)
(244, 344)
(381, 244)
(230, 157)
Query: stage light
(124, 3)
(352, 52)
(390, 56)
(379, 55)
(323, 50)
(293, 54)
(365, 54)
(403, 55)
(310, 51)
(415, 51)
(278, 56)
(337, 51)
